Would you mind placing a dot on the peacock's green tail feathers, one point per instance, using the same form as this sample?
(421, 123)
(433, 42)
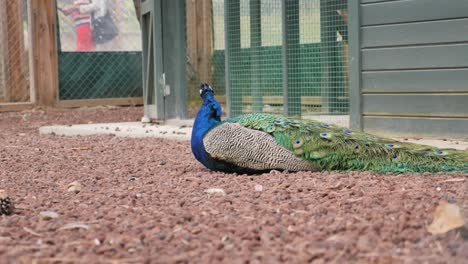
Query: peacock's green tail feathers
(330, 147)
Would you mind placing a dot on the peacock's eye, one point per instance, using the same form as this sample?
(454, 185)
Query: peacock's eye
(298, 142)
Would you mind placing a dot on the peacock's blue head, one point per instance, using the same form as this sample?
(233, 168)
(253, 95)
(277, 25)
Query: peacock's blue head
(205, 88)
(210, 108)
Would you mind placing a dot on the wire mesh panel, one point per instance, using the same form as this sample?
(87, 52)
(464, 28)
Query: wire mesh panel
(286, 56)
(14, 48)
(254, 37)
(317, 57)
(100, 49)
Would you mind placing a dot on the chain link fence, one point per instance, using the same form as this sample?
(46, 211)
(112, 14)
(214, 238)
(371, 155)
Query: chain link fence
(90, 68)
(14, 58)
(310, 50)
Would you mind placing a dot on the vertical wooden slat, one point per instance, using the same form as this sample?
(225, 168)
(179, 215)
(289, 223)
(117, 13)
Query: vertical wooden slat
(200, 37)
(192, 34)
(204, 38)
(32, 70)
(4, 96)
(44, 49)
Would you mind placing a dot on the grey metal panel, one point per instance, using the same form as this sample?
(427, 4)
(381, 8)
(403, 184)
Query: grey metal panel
(412, 10)
(355, 106)
(440, 56)
(407, 126)
(446, 105)
(152, 59)
(444, 31)
(451, 80)
(174, 56)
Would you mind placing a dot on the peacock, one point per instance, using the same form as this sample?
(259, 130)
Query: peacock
(261, 142)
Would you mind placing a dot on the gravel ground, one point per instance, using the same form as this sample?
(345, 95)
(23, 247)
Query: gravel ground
(148, 201)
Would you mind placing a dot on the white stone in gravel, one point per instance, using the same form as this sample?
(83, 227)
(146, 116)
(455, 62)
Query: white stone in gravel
(215, 191)
(74, 226)
(47, 215)
(74, 187)
(258, 188)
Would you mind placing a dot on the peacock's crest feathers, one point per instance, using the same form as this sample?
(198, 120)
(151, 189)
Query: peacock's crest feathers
(330, 147)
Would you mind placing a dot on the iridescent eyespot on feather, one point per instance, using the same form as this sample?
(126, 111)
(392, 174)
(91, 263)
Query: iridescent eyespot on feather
(325, 135)
(298, 143)
(441, 153)
(347, 132)
(316, 155)
(394, 156)
(278, 122)
(295, 124)
(390, 145)
(270, 129)
(298, 152)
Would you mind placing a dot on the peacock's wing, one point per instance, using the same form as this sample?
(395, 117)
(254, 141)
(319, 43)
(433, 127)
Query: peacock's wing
(238, 148)
(329, 147)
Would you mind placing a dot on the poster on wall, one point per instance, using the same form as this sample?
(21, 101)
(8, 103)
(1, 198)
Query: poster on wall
(98, 25)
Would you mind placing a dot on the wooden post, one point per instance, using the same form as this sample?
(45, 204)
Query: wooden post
(4, 97)
(192, 34)
(200, 37)
(44, 50)
(205, 39)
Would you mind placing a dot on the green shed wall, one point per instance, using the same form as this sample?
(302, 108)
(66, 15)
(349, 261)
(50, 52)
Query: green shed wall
(409, 59)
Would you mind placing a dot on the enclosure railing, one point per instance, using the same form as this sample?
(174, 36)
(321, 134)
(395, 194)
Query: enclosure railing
(15, 85)
(46, 60)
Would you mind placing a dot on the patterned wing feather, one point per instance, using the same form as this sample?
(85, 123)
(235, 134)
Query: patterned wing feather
(328, 147)
(250, 149)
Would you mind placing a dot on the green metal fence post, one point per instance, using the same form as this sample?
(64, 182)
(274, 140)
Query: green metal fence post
(355, 113)
(174, 45)
(291, 92)
(284, 52)
(255, 44)
(232, 46)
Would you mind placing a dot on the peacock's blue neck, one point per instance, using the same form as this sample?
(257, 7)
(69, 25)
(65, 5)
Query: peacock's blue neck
(207, 117)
